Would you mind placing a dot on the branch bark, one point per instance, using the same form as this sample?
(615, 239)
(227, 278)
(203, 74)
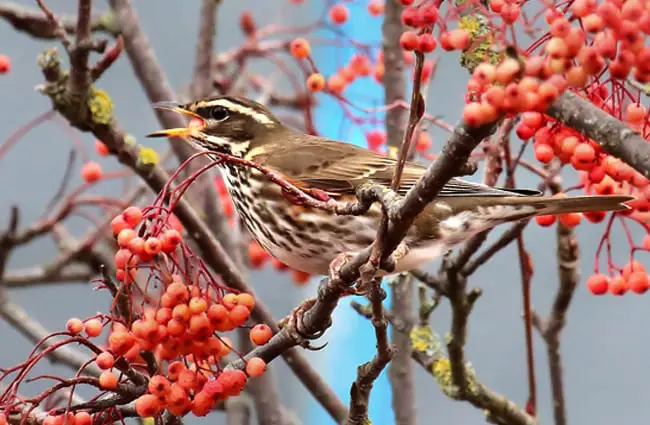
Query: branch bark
(615, 137)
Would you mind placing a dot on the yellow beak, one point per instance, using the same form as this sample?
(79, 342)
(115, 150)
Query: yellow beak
(197, 122)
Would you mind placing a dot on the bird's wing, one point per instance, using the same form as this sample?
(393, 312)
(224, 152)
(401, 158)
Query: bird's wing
(339, 168)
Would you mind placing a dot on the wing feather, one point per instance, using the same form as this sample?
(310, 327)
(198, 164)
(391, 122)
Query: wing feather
(339, 168)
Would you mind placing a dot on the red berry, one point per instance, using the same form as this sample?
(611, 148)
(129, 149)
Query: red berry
(316, 82)
(152, 246)
(300, 48)
(376, 7)
(147, 406)
(339, 14)
(638, 282)
(409, 40)
(617, 286)
(260, 334)
(545, 220)
(544, 153)
(132, 216)
(108, 380)
(426, 43)
(93, 327)
(74, 326)
(105, 360)
(255, 366)
(598, 284)
(101, 148)
(375, 139)
(91, 172)
(5, 64)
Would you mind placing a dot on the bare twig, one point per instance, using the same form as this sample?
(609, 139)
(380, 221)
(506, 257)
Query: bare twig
(201, 85)
(551, 329)
(33, 22)
(368, 372)
(42, 275)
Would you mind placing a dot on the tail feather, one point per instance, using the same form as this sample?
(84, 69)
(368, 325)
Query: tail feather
(546, 205)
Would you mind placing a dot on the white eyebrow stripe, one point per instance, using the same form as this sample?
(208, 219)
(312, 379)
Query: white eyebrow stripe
(245, 110)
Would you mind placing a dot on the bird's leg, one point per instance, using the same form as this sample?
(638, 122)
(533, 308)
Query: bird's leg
(296, 328)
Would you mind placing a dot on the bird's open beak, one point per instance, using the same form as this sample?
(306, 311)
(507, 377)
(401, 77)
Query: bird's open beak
(196, 121)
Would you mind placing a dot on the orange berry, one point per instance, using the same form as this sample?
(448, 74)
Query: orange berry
(260, 334)
(132, 216)
(198, 305)
(186, 379)
(136, 245)
(74, 326)
(121, 342)
(409, 40)
(570, 219)
(459, 39)
(316, 82)
(632, 267)
(152, 246)
(336, 83)
(199, 326)
(81, 418)
(238, 315)
(634, 113)
(178, 292)
(229, 301)
(255, 366)
(217, 313)
(105, 360)
(101, 148)
(257, 255)
(638, 282)
(339, 14)
(598, 284)
(91, 172)
(426, 43)
(118, 224)
(5, 64)
(299, 277)
(125, 237)
(300, 48)
(147, 406)
(423, 143)
(544, 153)
(618, 286)
(376, 7)
(93, 327)
(247, 300)
(108, 380)
(472, 114)
(545, 220)
(174, 370)
(181, 312)
(576, 77)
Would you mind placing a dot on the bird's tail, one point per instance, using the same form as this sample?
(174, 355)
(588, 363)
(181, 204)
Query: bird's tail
(547, 205)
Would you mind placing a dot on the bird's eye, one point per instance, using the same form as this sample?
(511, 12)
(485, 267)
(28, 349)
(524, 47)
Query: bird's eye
(219, 113)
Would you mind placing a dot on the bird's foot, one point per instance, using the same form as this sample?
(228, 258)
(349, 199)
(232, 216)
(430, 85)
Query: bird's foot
(295, 325)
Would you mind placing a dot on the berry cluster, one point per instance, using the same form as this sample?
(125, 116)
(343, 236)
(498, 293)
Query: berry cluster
(178, 316)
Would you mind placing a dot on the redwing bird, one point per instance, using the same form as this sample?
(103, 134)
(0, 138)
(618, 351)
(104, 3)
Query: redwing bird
(308, 239)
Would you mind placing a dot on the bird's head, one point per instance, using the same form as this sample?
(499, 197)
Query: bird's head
(225, 124)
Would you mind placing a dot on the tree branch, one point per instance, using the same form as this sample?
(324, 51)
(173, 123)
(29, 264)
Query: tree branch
(615, 137)
(33, 22)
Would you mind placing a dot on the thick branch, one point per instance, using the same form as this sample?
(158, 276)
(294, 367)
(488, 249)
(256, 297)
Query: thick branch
(614, 136)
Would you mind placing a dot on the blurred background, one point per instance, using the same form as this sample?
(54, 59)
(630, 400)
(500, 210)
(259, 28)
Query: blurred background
(604, 344)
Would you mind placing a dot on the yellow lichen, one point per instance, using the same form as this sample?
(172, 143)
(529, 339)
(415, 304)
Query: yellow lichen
(421, 339)
(147, 156)
(482, 48)
(100, 106)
